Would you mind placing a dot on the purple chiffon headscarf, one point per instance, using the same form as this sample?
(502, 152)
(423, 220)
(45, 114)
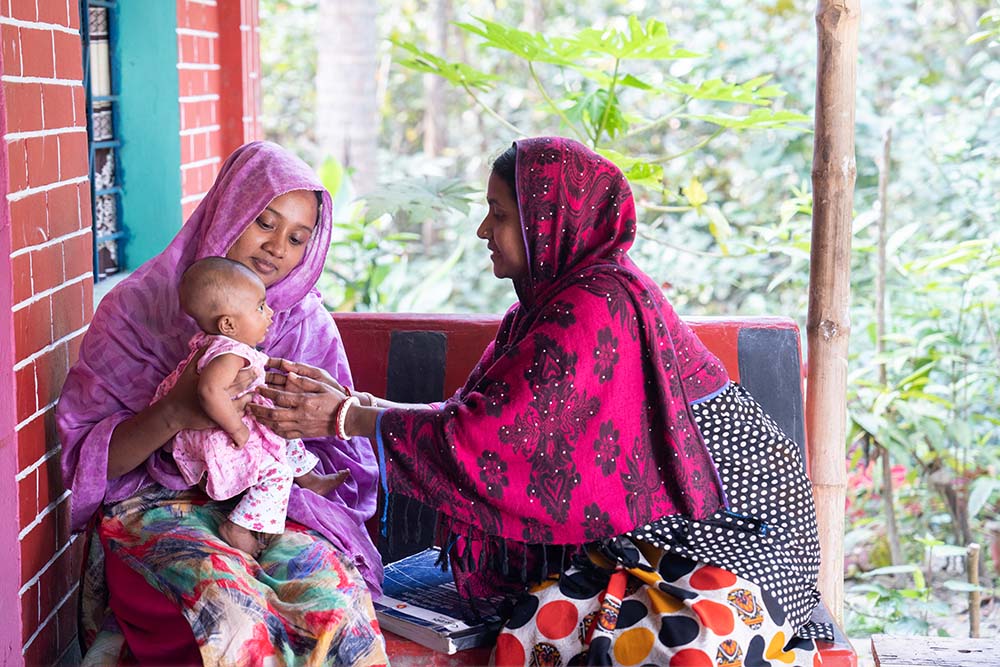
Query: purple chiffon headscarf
(139, 335)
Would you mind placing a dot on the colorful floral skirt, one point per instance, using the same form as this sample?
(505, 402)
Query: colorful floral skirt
(300, 603)
(674, 613)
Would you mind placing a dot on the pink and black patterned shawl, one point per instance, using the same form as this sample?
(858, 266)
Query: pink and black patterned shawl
(575, 425)
(139, 334)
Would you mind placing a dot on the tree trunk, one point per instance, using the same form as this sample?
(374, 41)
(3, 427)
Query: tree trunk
(346, 69)
(534, 15)
(828, 323)
(888, 496)
(435, 121)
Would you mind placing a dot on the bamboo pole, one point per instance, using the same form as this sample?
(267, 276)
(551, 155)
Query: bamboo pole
(828, 323)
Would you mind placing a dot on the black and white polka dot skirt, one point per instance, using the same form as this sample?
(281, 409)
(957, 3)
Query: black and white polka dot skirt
(768, 535)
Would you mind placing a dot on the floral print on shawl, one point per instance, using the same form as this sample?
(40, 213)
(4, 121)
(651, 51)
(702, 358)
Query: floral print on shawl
(575, 424)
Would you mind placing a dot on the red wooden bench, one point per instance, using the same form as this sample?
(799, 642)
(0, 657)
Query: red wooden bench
(424, 358)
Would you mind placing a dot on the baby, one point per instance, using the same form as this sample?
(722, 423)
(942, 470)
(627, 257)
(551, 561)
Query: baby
(227, 300)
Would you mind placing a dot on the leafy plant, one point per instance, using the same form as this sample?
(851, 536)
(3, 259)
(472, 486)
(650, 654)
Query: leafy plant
(591, 95)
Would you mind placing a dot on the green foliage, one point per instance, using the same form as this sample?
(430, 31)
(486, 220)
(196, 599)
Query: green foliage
(668, 92)
(586, 94)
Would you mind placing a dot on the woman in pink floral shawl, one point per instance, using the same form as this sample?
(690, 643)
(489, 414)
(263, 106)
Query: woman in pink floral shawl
(308, 596)
(597, 445)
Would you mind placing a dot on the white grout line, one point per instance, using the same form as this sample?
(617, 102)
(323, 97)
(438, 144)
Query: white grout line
(191, 32)
(15, 136)
(10, 78)
(199, 66)
(191, 198)
(20, 23)
(38, 575)
(198, 98)
(46, 244)
(38, 413)
(37, 464)
(200, 130)
(34, 298)
(21, 194)
(45, 350)
(207, 3)
(44, 513)
(41, 626)
(201, 163)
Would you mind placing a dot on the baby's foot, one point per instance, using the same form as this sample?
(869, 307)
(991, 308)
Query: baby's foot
(240, 538)
(322, 484)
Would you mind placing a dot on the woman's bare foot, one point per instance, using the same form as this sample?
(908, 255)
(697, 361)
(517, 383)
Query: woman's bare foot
(322, 484)
(240, 538)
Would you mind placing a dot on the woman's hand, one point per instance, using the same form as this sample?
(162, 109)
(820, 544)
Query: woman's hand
(277, 380)
(304, 406)
(185, 409)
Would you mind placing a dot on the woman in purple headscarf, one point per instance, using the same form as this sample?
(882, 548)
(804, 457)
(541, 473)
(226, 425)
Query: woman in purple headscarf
(179, 594)
(598, 448)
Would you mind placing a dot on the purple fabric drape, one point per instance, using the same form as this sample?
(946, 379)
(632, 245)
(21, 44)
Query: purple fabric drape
(139, 334)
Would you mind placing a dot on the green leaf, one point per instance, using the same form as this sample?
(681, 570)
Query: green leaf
(758, 118)
(533, 47)
(590, 109)
(718, 227)
(751, 92)
(981, 491)
(649, 41)
(458, 74)
(694, 193)
(964, 587)
(636, 170)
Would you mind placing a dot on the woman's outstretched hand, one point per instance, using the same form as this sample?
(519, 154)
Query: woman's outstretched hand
(277, 380)
(305, 401)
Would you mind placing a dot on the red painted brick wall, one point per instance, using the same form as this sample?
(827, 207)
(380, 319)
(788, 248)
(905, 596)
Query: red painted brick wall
(218, 65)
(48, 196)
(47, 286)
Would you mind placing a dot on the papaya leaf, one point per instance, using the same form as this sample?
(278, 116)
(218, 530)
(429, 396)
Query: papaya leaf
(758, 118)
(638, 42)
(531, 46)
(751, 92)
(457, 74)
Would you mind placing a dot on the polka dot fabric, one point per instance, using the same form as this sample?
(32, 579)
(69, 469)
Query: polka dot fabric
(735, 589)
(769, 534)
(663, 615)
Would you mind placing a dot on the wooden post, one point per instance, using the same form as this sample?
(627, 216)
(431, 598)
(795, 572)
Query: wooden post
(828, 323)
(972, 567)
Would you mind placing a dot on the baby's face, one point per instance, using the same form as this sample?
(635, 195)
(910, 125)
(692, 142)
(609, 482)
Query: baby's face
(251, 312)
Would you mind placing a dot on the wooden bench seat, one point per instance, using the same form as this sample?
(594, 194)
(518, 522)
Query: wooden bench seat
(425, 358)
(911, 651)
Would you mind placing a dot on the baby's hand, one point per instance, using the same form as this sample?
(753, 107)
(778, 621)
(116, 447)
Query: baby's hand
(240, 437)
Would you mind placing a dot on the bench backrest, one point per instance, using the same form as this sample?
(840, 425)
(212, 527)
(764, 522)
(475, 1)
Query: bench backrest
(422, 358)
(415, 358)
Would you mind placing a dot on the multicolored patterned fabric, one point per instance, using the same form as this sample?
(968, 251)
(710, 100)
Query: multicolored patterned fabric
(301, 602)
(575, 425)
(139, 335)
(675, 613)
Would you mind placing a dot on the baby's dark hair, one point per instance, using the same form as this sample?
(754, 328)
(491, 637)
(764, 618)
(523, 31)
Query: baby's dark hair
(505, 166)
(206, 286)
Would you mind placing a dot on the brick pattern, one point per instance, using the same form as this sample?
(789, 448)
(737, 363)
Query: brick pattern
(51, 265)
(199, 80)
(218, 70)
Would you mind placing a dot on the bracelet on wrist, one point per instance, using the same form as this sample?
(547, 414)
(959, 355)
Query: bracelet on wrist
(340, 418)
